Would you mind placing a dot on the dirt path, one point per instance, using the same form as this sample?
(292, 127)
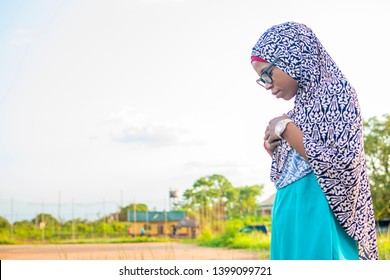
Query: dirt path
(127, 251)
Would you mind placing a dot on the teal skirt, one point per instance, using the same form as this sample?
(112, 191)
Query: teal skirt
(304, 227)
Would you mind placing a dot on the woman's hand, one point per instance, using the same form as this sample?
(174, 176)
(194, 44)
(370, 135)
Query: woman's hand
(271, 140)
(292, 134)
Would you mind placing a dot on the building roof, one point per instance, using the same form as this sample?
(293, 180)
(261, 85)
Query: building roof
(269, 202)
(155, 216)
(186, 222)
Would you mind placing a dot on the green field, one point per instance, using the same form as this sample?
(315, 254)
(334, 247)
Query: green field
(226, 236)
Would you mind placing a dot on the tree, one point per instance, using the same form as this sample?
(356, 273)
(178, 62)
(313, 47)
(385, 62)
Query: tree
(4, 224)
(247, 199)
(139, 207)
(26, 230)
(46, 218)
(377, 150)
(211, 197)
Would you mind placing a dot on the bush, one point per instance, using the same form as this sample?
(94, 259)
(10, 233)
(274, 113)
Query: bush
(4, 224)
(231, 238)
(384, 246)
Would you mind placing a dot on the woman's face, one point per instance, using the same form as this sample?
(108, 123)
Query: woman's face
(283, 86)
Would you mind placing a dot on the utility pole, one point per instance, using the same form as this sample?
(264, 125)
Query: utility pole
(166, 223)
(147, 221)
(43, 225)
(134, 218)
(165, 218)
(12, 218)
(104, 219)
(73, 219)
(121, 205)
(59, 214)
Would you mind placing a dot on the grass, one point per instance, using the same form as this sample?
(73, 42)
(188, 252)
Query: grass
(231, 238)
(122, 240)
(259, 242)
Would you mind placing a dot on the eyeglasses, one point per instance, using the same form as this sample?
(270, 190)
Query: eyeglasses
(265, 76)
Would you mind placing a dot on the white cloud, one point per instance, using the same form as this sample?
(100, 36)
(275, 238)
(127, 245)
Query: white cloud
(130, 127)
(149, 134)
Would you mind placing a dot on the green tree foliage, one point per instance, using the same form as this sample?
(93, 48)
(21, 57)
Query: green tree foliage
(4, 224)
(45, 218)
(215, 198)
(377, 149)
(138, 207)
(247, 199)
(26, 230)
(211, 196)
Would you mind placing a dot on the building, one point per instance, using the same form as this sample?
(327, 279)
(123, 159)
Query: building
(265, 207)
(154, 223)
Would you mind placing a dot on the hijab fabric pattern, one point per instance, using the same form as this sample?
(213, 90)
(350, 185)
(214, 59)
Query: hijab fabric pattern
(327, 111)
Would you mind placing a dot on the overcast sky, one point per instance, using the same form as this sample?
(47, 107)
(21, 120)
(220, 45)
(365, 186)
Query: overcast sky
(106, 103)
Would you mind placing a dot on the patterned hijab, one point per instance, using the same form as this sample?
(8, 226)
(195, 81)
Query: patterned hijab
(327, 111)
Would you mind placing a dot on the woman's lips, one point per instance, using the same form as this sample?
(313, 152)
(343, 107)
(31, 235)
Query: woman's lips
(276, 93)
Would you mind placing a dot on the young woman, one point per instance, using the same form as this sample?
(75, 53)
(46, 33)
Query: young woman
(323, 207)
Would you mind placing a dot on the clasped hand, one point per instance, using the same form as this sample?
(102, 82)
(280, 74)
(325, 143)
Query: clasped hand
(271, 140)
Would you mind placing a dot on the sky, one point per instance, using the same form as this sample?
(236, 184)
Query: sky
(107, 103)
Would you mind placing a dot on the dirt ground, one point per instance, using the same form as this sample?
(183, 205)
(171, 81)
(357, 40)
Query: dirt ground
(126, 251)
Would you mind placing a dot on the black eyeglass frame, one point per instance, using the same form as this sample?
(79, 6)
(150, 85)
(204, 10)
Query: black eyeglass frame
(265, 76)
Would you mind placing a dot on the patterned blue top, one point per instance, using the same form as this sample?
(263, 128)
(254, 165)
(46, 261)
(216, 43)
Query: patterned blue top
(296, 168)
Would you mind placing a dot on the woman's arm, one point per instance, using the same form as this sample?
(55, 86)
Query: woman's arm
(294, 136)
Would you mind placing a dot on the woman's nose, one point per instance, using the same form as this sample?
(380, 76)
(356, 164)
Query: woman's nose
(268, 86)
